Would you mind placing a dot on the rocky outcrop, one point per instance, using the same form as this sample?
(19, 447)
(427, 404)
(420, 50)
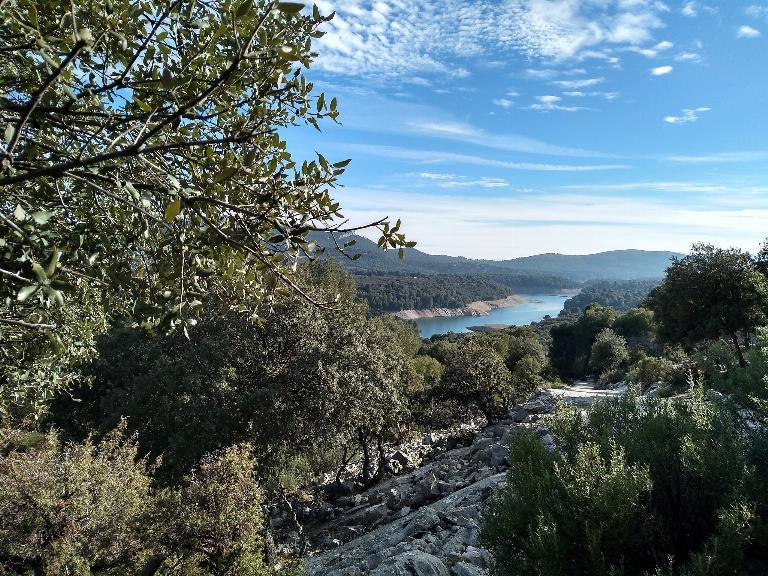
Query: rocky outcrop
(477, 308)
(426, 521)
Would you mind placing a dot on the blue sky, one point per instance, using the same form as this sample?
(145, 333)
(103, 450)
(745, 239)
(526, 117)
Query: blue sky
(513, 127)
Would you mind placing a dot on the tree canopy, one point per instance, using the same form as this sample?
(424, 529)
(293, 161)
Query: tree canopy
(711, 293)
(142, 168)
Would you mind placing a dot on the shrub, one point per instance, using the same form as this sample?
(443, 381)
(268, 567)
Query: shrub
(476, 376)
(609, 352)
(76, 509)
(91, 508)
(651, 370)
(638, 488)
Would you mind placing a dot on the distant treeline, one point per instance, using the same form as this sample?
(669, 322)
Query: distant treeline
(393, 292)
(620, 296)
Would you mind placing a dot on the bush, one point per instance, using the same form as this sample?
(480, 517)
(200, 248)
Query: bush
(658, 487)
(91, 508)
(476, 376)
(650, 370)
(609, 352)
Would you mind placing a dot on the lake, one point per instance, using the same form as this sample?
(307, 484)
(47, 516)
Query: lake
(539, 306)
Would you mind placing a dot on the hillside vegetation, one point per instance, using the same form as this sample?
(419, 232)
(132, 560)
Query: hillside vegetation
(422, 281)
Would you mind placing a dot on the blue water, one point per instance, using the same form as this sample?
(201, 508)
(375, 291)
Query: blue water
(539, 306)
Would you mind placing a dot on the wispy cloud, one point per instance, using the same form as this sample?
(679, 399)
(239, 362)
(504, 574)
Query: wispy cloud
(720, 157)
(757, 11)
(654, 186)
(693, 8)
(572, 223)
(549, 102)
(580, 94)
(395, 38)
(442, 180)
(503, 102)
(661, 70)
(688, 115)
(575, 84)
(688, 57)
(451, 158)
(463, 132)
(747, 32)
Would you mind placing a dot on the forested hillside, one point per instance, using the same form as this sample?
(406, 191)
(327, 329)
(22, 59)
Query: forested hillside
(393, 292)
(619, 295)
(619, 264)
(420, 280)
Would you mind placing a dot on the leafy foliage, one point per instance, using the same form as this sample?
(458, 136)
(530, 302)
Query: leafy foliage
(620, 296)
(402, 292)
(476, 376)
(708, 294)
(303, 381)
(143, 170)
(609, 352)
(638, 488)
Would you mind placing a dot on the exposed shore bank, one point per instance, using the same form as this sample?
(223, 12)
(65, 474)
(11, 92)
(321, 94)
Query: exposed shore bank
(477, 308)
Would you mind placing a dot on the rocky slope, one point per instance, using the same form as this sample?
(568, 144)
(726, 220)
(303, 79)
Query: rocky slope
(426, 521)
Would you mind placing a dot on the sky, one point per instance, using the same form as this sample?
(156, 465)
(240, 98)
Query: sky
(503, 128)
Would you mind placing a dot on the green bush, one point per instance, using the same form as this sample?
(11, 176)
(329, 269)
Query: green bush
(92, 508)
(476, 377)
(651, 370)
(608, 353)
(637, 488)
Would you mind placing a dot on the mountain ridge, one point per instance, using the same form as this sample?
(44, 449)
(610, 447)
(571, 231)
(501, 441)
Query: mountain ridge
(629, 264)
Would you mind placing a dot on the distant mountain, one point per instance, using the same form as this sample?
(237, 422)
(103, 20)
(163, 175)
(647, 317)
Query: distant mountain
(613, 265)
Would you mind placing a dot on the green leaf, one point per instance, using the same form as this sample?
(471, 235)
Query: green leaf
(400, 254)
(166, 79)
(39, 272)
(50, 268)
(225, 174)
(290, 7)
(26, 292)
(141, 104)
(343, 163)
(244, 8)
(10, 130)
(20, 214)
(41, 216)
(172, 210)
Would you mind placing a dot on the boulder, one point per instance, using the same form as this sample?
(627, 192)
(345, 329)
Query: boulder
(414, 563)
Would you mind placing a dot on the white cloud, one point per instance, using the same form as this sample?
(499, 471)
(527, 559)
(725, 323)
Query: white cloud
(661, 70)
(456, 181)
(690, 9)
(720, 157)
(582, 83)
(389, 38)
(572, 223)
(653, 51)
(654, 186)
(503, 102)
(688, 115)
(451, 158)
(463, 132)
(580, 94)
(747, 32)
(549, 102)
(688, 57)
(757, 11)
(693, 8)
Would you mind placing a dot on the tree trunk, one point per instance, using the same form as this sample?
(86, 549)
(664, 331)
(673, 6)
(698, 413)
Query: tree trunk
(366, 459)
(739, 353)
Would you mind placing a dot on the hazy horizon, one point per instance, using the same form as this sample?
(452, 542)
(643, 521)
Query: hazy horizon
(535, 126)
